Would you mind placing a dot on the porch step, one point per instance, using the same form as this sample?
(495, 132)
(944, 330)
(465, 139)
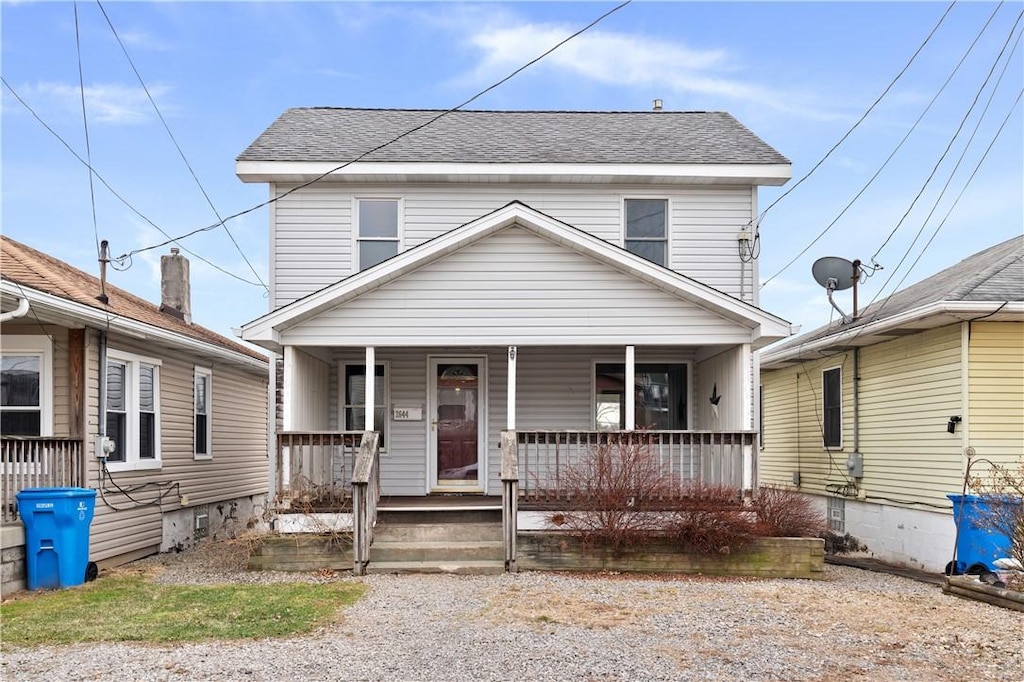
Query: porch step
(389, 552)
(437, 532)
(301, 553)
(479, 567)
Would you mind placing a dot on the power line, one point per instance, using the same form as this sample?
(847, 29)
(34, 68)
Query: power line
(390, 142)
(863, 116)
(108, 186)
(952, 140)
(174, 140)
(892, 154)
(85, 126)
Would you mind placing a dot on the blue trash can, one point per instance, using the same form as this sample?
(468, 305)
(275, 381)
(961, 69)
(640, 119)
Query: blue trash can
(977, 543)
(56, 524)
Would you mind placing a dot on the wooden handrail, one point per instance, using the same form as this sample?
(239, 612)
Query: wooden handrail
(365, 496)
(509, 497)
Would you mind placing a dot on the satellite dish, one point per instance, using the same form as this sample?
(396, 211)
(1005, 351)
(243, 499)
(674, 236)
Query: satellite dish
(834, 273)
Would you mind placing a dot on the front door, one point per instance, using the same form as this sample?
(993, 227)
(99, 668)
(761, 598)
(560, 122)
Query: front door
(457, 418)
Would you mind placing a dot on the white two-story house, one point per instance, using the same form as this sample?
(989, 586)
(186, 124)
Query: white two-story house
(556, 275)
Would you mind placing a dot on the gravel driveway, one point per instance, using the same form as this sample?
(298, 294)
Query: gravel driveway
(855, 625)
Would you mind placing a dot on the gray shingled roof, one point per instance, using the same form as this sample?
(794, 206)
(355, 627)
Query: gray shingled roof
(338, 135)
(995, 274)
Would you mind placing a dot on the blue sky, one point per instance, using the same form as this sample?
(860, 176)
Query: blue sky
(799, 75)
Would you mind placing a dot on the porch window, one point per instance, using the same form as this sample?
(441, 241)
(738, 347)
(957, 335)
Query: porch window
(646, 232)
(26, 394)
(661, 390)
(377, 231)
(203, 423)
(355, 399)
(832, 407)
(133, 411)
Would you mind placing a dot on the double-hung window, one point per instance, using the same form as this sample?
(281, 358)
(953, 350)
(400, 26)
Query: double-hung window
(646, 229)
(660, 396)
(355, 399)
(377, 231)
(832, 407)
(133, 410)
(203, 435)
(26, 394)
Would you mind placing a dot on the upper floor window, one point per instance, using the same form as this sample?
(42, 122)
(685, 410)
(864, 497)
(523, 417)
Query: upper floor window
(646, 232)
(376, 231)
(832, 407)
(133, 410)
(203, 423)
(26, 395)
(660, 392)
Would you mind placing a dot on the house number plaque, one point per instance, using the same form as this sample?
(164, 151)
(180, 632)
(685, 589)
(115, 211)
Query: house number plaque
(407, 413)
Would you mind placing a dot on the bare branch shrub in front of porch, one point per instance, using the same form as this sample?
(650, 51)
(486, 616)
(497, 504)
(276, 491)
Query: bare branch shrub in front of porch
(614, 494)
(787, 513)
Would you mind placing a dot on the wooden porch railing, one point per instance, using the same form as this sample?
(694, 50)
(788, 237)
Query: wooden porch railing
(365, 496)
(684, 457)
(30, 462)
(509, 498)
(316, 466)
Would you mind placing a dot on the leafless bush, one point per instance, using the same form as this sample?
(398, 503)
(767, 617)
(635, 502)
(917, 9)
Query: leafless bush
(615, 492)
(785, 512)
(1003, 510)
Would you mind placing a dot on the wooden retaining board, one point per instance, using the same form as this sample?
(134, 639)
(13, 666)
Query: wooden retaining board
(302, 553)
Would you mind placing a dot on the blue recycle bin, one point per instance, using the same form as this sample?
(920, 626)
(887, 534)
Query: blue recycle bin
(56, 524)
(977, 544)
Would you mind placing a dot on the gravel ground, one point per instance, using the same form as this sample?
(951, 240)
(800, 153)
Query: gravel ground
(855, 625)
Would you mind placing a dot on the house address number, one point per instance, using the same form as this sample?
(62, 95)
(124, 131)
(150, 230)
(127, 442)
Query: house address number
(407, 414)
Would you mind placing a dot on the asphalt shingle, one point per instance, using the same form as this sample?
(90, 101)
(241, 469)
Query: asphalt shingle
(570, 137)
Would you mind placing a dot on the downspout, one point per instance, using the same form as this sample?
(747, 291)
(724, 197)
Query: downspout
(855, 463)
(20, 311)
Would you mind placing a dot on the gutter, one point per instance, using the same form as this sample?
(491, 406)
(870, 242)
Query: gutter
(957, 309)
(20, 311)
(113, 322)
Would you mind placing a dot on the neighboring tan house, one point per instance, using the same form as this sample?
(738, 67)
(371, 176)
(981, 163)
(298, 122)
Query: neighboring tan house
(185, 407)
(876, 417)
(550, 275)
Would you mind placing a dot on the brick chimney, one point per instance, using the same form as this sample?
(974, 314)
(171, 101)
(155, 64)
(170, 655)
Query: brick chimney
(175, 291)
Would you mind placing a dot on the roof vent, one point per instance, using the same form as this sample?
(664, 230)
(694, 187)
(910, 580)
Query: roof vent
(657, 105)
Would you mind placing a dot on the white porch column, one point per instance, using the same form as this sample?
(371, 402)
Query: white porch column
(630, 388)
(371, 388)
(511, 397)
(288, 408)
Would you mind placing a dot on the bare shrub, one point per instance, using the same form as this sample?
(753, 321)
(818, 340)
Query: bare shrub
(785, 513)
(615, 492)
(713, 531)
(1003, 512)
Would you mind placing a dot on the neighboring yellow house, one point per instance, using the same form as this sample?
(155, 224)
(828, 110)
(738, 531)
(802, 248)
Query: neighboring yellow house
(875, 416)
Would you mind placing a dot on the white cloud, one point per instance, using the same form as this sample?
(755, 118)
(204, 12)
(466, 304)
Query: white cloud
(142, 40)
(626, 60)
(104, 102)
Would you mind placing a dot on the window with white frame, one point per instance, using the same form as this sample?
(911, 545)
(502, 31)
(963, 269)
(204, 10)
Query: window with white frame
(646, 229)
(133, 410)
(354, 376)
(203, 435)
(660, 396)
(26, 387)
(832, 407)
(377, 234)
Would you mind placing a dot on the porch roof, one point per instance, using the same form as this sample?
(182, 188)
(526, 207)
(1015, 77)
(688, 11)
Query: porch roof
(725, 319)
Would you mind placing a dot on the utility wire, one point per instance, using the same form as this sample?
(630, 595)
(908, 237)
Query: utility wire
(111, 189)
(956, 134)
(395, 139)
(174, 141)
(85, 126)
(863, 116)
(945, 152)
(892, 154)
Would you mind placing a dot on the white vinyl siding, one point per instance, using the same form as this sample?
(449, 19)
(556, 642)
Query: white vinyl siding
(312, 244)
(477, 295)
(996, 408)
